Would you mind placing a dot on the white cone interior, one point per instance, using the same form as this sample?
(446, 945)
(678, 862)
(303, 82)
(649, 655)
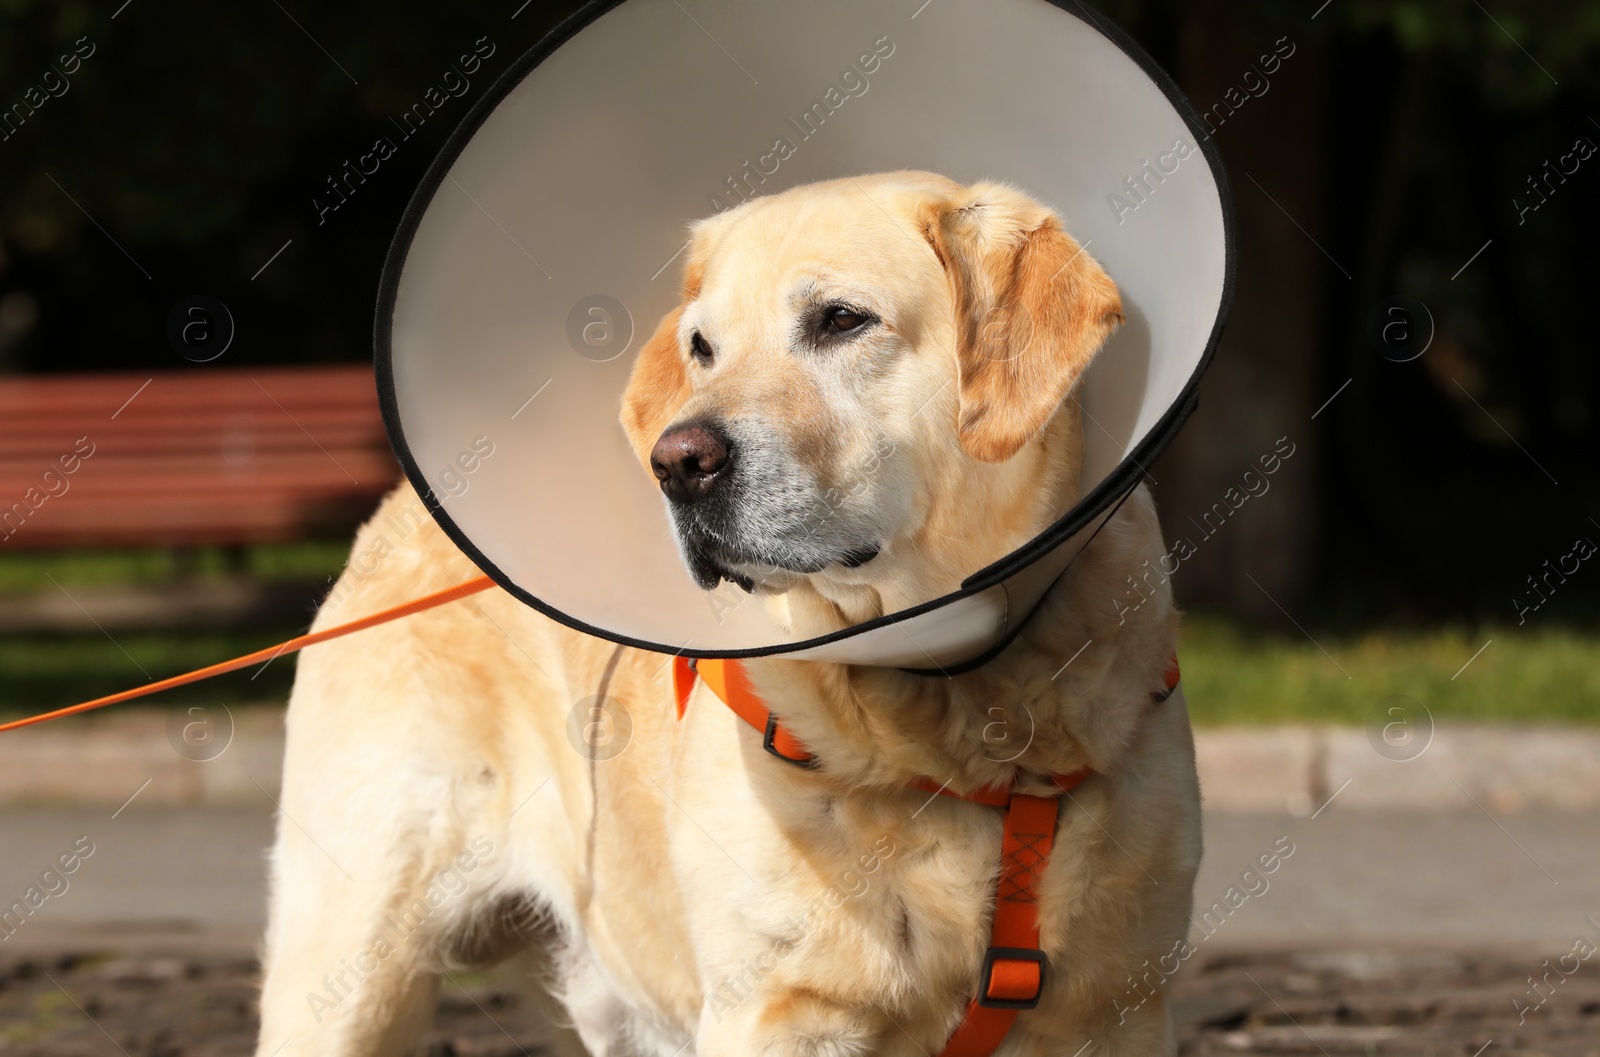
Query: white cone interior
(580, 181)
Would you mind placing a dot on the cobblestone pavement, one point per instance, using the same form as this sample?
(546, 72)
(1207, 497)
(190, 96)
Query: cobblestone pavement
(1333, 1003)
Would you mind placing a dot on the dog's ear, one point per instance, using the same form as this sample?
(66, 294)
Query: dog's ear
(658, 384)
(657, 387)
(1032, 309)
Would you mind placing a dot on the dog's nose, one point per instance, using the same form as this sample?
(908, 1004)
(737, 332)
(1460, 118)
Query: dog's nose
(688, 461)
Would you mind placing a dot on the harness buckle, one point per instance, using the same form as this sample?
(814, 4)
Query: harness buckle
(987, 983)
(767, 742)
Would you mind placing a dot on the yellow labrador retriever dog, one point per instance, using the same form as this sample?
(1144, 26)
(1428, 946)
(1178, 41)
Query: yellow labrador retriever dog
(865, 394)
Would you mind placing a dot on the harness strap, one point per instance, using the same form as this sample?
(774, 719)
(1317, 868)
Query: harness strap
(727, 679)
(1012, 978)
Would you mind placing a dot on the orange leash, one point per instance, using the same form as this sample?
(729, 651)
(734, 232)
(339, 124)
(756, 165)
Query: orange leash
(300, 642)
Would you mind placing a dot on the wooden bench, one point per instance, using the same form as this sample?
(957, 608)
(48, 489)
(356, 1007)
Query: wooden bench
(227, 456)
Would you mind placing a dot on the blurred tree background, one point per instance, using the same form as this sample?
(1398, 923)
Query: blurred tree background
(1392, 147)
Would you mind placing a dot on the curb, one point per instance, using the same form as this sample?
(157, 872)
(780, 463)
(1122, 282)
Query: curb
(1302, 769)
(116, 758)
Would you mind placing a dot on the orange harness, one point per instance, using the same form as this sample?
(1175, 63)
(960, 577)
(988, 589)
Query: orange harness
(1012, 978)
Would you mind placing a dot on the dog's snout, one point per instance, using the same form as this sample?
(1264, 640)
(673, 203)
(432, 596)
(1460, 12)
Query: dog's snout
(689, 460)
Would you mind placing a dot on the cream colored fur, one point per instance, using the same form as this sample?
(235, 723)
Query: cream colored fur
(690, 894)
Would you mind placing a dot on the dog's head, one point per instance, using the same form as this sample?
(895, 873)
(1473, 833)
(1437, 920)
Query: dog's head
(862, 390)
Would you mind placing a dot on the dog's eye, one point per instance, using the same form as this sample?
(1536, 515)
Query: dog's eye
(700, 349)
(841, 319)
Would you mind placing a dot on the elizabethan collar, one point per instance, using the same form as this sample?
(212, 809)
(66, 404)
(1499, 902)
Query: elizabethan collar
(544, 243)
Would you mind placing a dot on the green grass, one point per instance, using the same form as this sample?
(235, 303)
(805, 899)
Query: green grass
(39, 672)
(43, 672)
(1231, 675)
(25, 571)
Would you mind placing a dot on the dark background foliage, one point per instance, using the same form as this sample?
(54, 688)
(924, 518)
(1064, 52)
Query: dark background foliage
(1394, 145)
